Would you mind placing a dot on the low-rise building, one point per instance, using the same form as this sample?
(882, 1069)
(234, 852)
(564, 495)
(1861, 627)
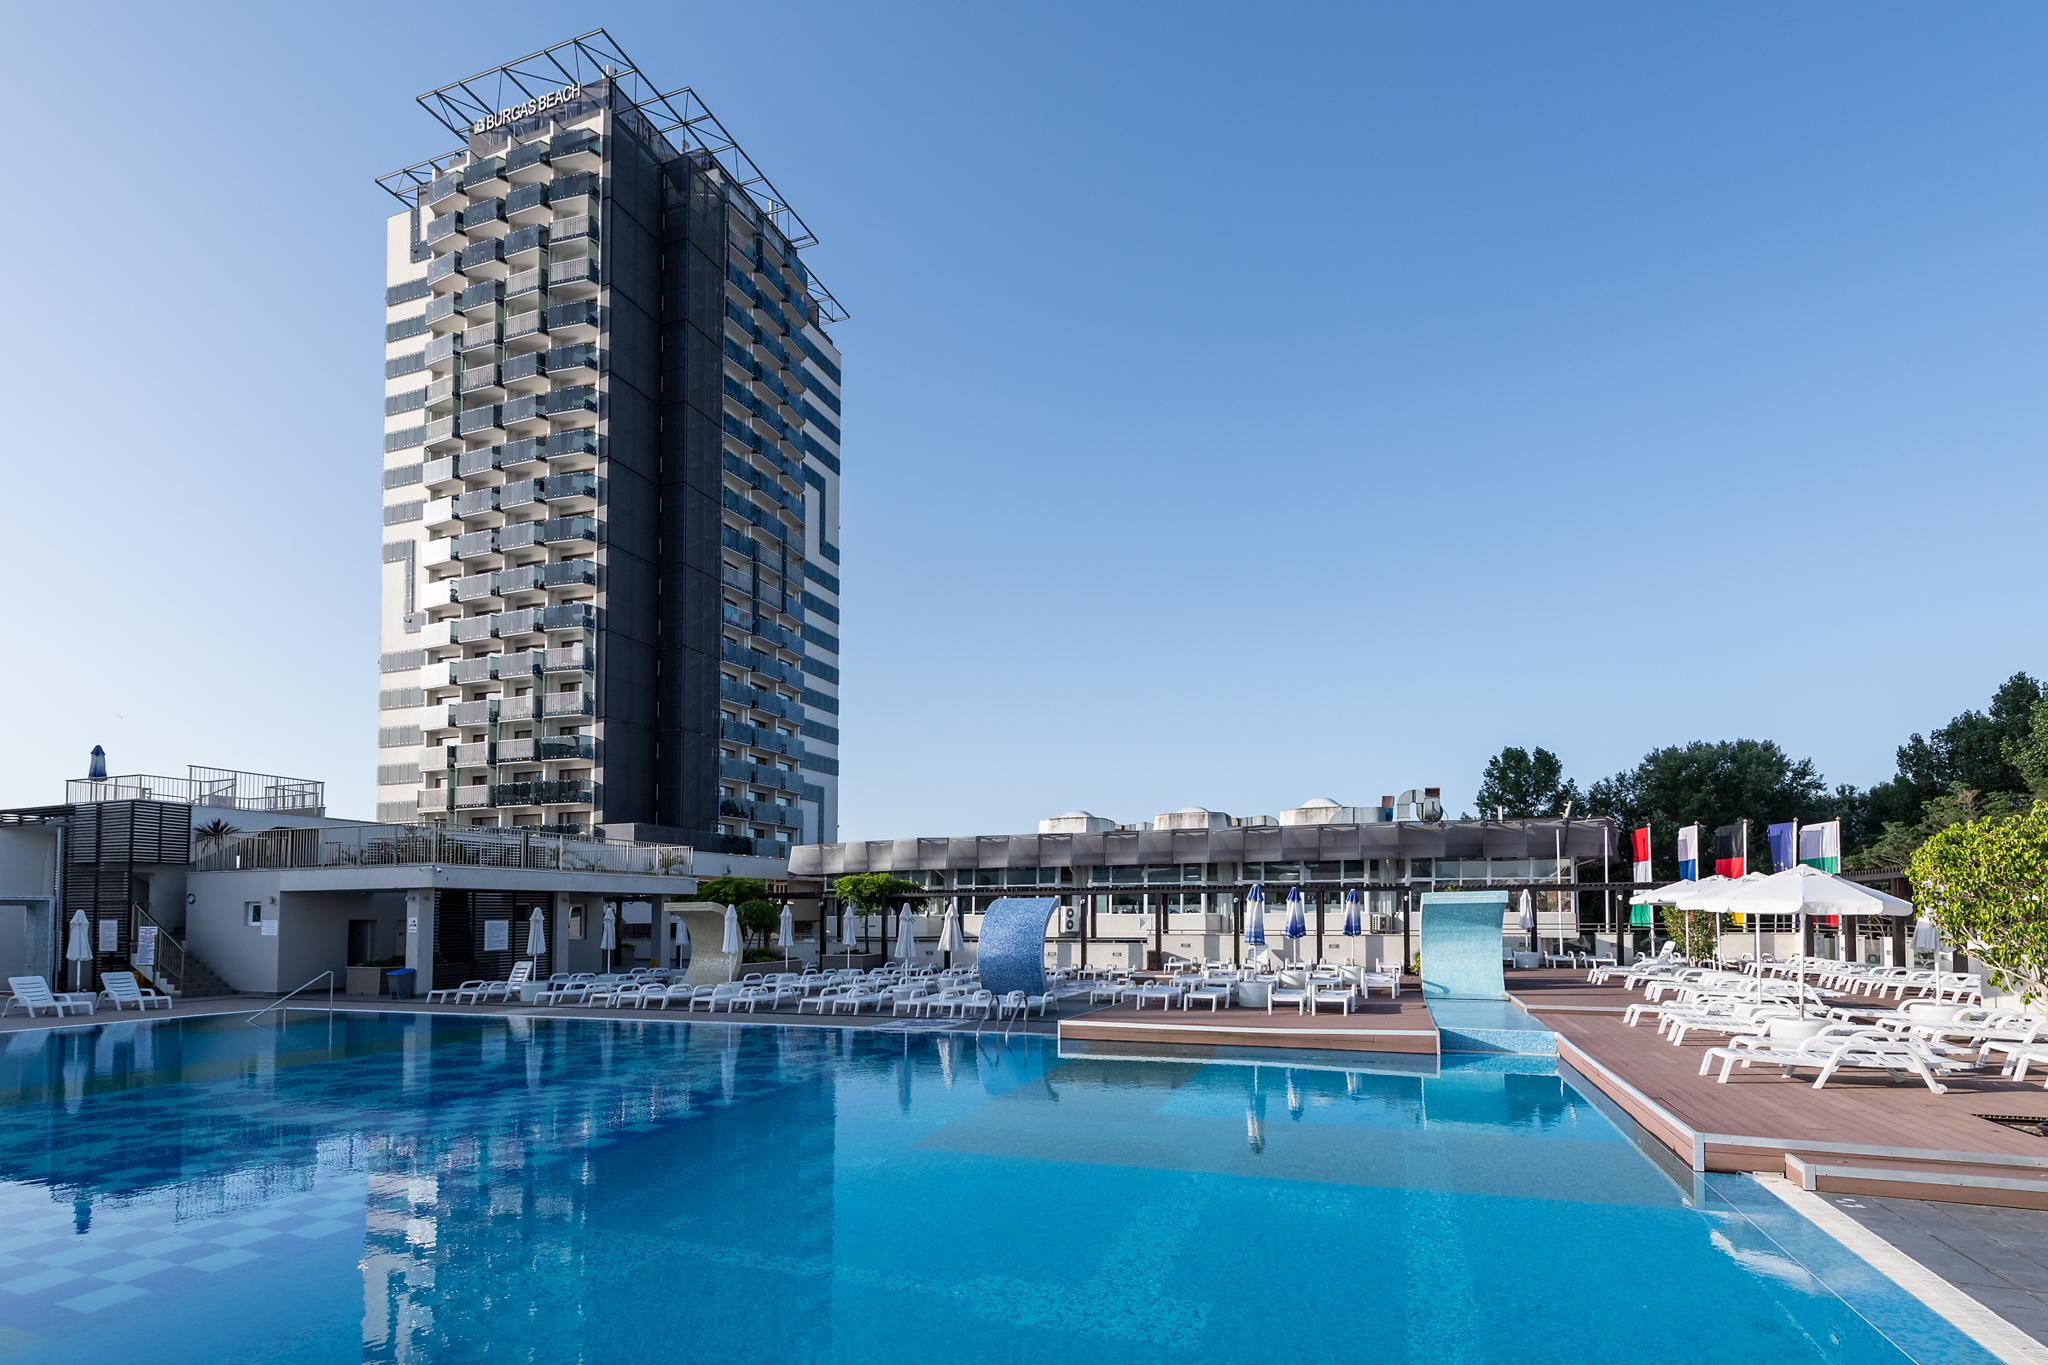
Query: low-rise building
(1177, 884)
(231, 881)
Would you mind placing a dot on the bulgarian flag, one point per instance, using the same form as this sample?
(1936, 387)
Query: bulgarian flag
(1821, 846)
(1689, 853)
(1642, 855)
(1731, 849)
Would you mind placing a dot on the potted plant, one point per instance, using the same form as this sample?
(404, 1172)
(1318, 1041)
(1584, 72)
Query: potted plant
(367, 978)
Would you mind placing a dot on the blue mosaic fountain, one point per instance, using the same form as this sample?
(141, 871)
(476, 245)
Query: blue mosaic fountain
(1460, 937)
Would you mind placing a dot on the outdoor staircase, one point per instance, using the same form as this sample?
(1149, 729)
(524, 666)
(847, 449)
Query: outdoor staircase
(201, 981)
(178, 970)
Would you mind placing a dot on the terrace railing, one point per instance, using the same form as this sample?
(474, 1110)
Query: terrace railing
(227, 788)
(408, 845)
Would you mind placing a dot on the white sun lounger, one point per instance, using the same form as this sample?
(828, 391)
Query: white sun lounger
(33, 993)
(120, 989)
(1838, 1047)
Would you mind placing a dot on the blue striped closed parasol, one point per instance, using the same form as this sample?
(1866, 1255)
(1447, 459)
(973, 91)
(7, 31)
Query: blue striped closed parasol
(1297, 925)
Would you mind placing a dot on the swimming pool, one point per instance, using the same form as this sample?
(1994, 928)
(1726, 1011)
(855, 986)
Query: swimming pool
(412, 1187)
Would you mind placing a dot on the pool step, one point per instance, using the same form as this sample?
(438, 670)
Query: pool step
(1953, 1181)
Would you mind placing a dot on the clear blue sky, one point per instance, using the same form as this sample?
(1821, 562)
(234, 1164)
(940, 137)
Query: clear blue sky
(1242, 404)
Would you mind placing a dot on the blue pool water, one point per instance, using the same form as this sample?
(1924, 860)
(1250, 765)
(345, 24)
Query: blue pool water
(421, 1188)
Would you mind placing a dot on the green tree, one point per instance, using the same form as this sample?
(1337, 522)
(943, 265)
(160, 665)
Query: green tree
(1974, 750)
(759, 918)
(1708, 784)
(1985, 882)
(869, 892)
(1957, 806)
(732, 890)
(2028, 754)
(1523, 784)
(1695, 934)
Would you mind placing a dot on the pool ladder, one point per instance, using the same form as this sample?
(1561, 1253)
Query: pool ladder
(328, 976)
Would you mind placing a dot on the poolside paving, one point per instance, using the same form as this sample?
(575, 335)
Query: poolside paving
(1893, 1133)
(1997, 1256)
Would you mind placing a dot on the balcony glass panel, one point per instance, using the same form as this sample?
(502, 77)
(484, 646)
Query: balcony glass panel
(478, 420)
(582, 312)
(570, 572)
(524, 155)
(578, 356)
(569, 616)
(476, 461)
(481, 172)
(556, 530)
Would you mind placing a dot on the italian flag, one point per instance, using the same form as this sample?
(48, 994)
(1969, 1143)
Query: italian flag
(1821, 846)
(1642, 855)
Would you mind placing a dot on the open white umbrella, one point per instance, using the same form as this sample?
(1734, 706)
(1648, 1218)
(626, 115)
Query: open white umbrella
(1666, 894)
(1693, 899)
(906, 937)
(536, 937)
(78, 947)
(609, 939)
(1802, 890)
(950, 940)
(730, 943)
(785, 932)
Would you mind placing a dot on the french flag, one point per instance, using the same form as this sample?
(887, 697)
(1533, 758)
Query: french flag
(1642, 855)
(1689, 853)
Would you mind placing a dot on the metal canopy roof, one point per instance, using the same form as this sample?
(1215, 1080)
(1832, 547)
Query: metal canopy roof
(595, 58)
(1238, 844)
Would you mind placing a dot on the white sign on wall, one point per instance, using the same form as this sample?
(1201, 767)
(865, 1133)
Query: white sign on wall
(270, 928)
(110, 936)
(497, 935)
(145, 946)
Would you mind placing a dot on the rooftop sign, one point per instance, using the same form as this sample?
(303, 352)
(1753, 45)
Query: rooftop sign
(538, 105)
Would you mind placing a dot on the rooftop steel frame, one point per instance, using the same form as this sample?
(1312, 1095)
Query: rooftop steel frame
(680, 116)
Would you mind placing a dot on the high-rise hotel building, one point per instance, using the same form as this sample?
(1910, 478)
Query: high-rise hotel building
(611, 473)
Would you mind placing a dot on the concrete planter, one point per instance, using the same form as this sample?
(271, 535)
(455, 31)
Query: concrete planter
(365, 981)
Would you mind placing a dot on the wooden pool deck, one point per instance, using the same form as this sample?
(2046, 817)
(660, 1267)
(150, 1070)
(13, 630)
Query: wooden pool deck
(1381, 1025)
(1861, 1135)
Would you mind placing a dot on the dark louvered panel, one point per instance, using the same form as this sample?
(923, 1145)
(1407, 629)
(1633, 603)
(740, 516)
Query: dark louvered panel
(163, 833)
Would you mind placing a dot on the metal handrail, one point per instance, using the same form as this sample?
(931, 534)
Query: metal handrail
(329, 974)
(168, 971)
